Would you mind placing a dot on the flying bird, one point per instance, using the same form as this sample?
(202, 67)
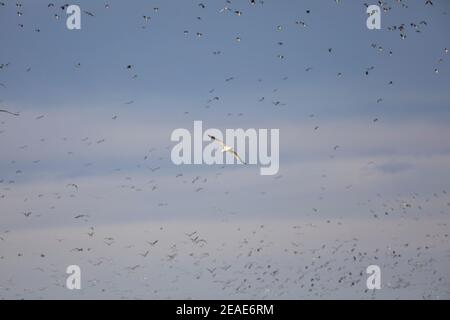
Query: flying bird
(144, 254)
(226, 148)
(81, 216)
(89, 13)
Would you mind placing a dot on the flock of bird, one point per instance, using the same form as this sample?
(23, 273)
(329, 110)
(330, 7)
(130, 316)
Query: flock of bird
(237, 262)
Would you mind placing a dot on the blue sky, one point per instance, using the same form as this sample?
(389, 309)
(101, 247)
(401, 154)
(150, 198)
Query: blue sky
(78, 81)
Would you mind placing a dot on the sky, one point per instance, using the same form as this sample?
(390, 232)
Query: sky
(364, 149)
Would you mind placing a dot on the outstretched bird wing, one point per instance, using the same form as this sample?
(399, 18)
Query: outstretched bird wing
(6, 111)
(235, 154)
